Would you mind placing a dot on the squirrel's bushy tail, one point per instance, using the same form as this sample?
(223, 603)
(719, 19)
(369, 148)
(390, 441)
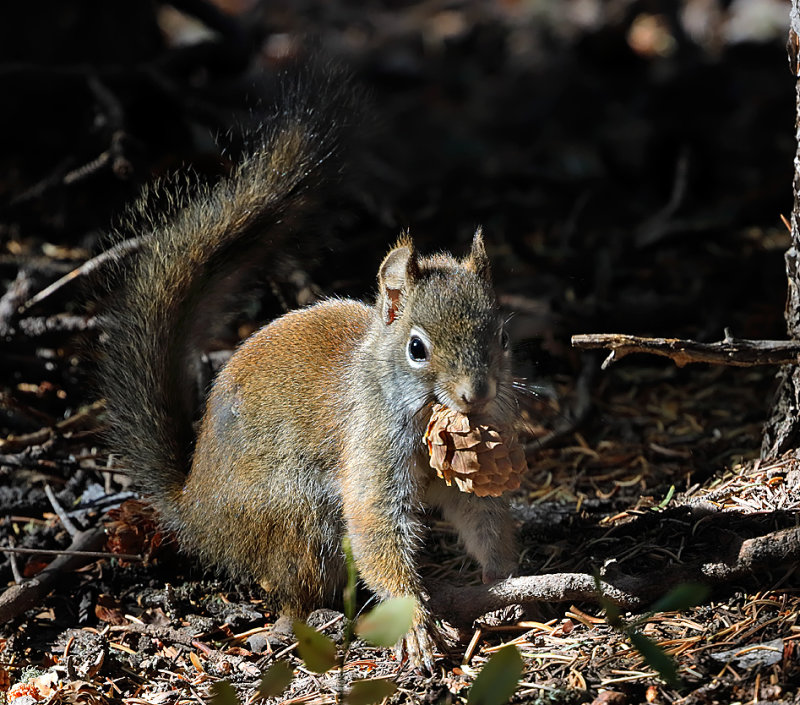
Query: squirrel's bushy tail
(191, 260)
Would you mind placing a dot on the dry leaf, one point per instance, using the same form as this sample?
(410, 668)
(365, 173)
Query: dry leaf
(195, 659)
(109, 610)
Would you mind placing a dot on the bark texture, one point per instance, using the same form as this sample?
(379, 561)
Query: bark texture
(782, 430)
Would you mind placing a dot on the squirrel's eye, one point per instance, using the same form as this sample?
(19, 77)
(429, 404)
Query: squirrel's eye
(417, 350)
(504, 339)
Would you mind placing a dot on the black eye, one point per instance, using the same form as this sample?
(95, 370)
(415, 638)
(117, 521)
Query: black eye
(504, 339)
(417, 350)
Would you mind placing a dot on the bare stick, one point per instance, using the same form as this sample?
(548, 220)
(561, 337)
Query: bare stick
(730, 351)
(68, 552)
(114, 254)
(60, 323)
(656, 227)
(66, 522)
(19, 598)
(15, 571)
(14, 296)
(463, 604)
(83, 418)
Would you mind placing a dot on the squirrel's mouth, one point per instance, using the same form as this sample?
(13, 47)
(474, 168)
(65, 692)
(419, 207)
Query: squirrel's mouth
(473, 398)
(481, 411)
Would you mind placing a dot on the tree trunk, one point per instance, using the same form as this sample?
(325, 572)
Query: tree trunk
(782, 430)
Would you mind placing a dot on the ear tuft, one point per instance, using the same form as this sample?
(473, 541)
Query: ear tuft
(478, 260)
(398, 272)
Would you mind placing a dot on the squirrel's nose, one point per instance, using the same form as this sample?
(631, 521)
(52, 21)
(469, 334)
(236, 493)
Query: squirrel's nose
(476, 393)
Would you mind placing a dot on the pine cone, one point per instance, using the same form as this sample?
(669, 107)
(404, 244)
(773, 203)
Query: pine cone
(478, 458)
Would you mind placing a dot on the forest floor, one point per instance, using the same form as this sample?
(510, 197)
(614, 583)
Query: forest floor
(629, 168)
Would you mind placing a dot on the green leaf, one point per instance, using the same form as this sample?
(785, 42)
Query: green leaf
(498, 679)
(370, 691)
(664, 502)
(349, 595)
(682, 597)
(275, 680)
(223, 693)
(317, 651)
(611, 610)
(655, 658)
(389, 621)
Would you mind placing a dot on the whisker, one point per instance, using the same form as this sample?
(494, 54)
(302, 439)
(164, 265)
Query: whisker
(539, 391)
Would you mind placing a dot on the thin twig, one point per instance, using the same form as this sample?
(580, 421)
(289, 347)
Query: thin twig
(66, 522)
(113, 254)
(67, 552)
(657, 226)
(730, 351)
(15, 571)
(82, 419)
(18, 598)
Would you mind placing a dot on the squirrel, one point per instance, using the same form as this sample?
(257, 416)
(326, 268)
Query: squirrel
(313, 430)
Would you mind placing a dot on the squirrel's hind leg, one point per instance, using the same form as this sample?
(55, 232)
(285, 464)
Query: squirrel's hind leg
(257, 529)
(308, 578)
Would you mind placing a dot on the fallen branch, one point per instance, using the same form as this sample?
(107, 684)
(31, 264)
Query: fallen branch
(18, 598)
(463, 604)
(69, 552)
(114, 254)
(186, 636)
(15, 295)
(730, 351)
(35, 327)
(85, 418)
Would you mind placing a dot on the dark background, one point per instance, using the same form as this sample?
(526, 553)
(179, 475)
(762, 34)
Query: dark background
(629, 162)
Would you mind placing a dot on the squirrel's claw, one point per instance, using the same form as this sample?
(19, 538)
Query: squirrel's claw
(418, 646)
(423, 642)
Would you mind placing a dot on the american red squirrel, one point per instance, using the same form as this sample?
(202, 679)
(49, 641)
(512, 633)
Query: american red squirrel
(314, 428)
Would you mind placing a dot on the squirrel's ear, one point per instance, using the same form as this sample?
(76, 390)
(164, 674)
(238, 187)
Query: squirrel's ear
(478, 260)
(398, 272)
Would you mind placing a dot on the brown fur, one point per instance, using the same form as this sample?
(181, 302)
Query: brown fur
(314, 429)
(275, 507)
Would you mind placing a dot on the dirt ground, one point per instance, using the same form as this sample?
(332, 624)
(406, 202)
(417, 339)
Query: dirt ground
(629, 162)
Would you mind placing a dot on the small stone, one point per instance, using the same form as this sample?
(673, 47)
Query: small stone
(257, 643)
